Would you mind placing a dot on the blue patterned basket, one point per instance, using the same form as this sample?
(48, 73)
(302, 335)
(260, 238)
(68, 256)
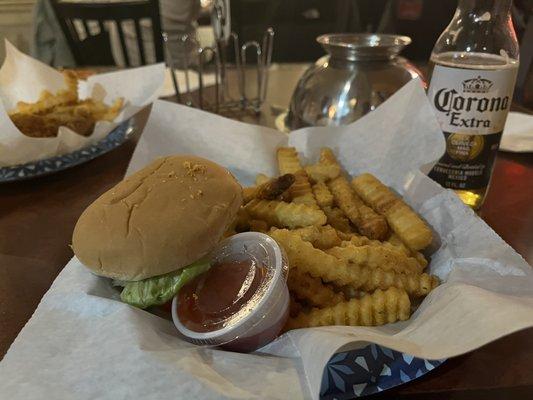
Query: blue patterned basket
(370, 370)
(55, 164)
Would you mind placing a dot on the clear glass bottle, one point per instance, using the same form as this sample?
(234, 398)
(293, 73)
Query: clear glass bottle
(473, 69)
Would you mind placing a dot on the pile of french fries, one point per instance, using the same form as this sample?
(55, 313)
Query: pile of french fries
(354, 247)
(52, 110)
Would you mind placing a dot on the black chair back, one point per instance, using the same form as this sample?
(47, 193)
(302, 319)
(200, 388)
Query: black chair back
(94, 48)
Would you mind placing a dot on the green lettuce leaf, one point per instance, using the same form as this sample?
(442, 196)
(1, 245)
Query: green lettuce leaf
(161, 289)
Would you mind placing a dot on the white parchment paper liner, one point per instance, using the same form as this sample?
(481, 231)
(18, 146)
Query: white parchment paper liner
(82, 343)
(23, 78)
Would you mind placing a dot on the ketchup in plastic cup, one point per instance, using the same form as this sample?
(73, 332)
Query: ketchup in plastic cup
(242, 302)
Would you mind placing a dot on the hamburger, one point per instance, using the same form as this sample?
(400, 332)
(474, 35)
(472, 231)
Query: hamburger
(152, 231)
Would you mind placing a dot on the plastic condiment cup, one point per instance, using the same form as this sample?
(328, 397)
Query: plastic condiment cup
(263, 320)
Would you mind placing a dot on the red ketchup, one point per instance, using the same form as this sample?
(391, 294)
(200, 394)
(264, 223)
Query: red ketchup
(241, 302)
(211, 300)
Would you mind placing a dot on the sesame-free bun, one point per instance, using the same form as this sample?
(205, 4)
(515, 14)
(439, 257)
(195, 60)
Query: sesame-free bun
(160, 219)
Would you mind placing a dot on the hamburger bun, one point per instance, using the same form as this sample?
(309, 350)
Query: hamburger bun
(160, 219)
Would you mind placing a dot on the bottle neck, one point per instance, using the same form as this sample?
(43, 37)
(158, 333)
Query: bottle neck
(497, 8)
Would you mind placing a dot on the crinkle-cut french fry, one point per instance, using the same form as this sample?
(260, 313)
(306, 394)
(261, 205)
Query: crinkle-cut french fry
(347, 236)
(312, 290)
(248, 193)
(376, 256)
(323, 196)
(260, 179)
(326, 169)
(379, 308)
(417, 285)
(242, 221)
(414, 257)
(321, 172)
(257, 225)
(411, 229)
(288, 161)
(351, 293)
(337, 219)
(301, 191)
(307, 199)
(322, 237)
(48, 100)
(275, 187)
(319, 264)
(290, 215)
(285, 196)
(419, 257)
(368, 222)
(269, 190)
(328, 158)
(111, 112)
(359, 240)
(327, 238)
(295, 307)
(395, 241)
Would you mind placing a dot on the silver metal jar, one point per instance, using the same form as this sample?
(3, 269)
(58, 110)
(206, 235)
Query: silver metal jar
(359, 73)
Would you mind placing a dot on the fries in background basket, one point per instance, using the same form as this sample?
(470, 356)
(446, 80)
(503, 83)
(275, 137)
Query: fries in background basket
(353, 249)
(44, 117)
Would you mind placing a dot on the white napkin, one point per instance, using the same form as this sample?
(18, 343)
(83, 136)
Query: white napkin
(518, 133)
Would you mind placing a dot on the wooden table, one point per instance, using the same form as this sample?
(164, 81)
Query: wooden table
(37, 218)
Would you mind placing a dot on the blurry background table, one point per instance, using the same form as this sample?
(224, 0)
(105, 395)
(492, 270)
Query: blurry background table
(37, 218)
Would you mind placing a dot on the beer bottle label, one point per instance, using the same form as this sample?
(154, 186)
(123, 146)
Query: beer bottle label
(471, 107)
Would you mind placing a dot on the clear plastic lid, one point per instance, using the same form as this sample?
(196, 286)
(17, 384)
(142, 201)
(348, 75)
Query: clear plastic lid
(247, 307)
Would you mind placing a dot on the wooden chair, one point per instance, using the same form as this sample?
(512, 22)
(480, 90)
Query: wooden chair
(94, 48)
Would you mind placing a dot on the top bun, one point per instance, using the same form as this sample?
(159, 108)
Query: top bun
(160, 219)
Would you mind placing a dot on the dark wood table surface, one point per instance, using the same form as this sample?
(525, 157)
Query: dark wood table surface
(37, 218)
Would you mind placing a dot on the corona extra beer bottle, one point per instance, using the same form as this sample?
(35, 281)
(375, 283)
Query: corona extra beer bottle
(473, 70)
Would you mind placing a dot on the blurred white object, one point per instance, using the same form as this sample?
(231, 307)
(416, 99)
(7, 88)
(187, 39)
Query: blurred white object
(178, 18)
(168, 87)
(221, 20)
(205, 36)
(518, 133)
